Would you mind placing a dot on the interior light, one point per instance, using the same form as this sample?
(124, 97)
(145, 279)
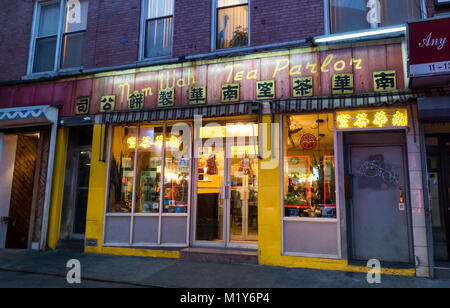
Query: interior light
(341, 37)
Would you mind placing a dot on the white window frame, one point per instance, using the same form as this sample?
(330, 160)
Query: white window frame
(214, 10)
(59, 39)
(326, 6)
(142, 39)
(132, 214)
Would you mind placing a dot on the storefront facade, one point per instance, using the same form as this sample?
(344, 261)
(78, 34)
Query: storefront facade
(429, 68)
(308, 156)
(27, 149)
(203, 173)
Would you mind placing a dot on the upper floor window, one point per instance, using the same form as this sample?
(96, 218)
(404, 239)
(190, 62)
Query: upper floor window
(352, 15)
(58, 41)
(158, 28)
(231, 23)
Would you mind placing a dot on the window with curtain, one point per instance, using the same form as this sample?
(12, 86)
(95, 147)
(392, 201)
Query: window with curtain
(232, 23)
(158, 28)
(352, 15)
(74, 34)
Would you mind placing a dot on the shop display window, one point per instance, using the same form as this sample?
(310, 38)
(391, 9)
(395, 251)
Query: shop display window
(148, 170)
(176, 173)
(122, 169)
(309, 166)
(152, 148)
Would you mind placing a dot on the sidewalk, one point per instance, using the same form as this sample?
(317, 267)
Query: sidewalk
(152, 272)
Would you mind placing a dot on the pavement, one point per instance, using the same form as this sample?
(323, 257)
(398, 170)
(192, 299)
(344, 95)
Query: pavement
(26, 268)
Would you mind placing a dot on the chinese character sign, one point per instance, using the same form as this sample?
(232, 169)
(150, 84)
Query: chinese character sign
(166, 98)
(384, 81)
(82, 105)
(265, 89)
(372, 118)
(136, 100)
(230, 93)
(197, 95)
(107, 103)
(303, 87)
(343, 84)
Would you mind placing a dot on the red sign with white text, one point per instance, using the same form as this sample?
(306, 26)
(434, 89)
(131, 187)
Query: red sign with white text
(429, 47)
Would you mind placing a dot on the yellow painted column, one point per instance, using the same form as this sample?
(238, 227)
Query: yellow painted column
(59, 168)
(97, 188)
(269, 203)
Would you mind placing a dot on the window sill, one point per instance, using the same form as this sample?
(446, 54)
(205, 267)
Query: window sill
(231, 49)
(157, 60)
(53, 74)
(311, 219)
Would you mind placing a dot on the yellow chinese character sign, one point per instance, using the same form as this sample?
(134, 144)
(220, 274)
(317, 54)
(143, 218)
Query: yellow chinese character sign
(265, 89)
(343, 84)
(384, 81)
(166, 98)
(82, 105)
(197, 95)
(107, 103)
(230, 93)
(136, 100)
(371, 118)
(303, 87)
(361, 120)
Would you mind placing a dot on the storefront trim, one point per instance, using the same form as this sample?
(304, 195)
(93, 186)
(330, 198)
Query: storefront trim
(335, 221)
(132, 214)
(311, 219)
(171, 254)
(179, 113)
(355, 101)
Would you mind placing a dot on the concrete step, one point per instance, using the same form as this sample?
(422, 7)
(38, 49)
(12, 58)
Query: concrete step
(220, 255)
(72, 244)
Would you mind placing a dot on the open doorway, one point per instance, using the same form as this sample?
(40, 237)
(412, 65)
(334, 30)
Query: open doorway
(23, 165)
(76, 188)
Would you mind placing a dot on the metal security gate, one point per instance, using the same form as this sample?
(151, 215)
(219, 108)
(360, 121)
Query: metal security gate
(379, 211)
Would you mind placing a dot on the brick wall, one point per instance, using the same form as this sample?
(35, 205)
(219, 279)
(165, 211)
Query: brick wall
(192, 27)
(16, 18)
(114, 25)
(285, 20)
(112, 32)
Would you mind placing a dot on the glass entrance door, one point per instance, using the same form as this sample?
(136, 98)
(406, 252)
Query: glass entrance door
(210, 194)
(244, 194)
(227, 188)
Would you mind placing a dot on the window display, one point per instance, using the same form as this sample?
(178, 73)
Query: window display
(309, 179)
(122, 170)
(150, 145)
(176, 173)
(148, 170)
